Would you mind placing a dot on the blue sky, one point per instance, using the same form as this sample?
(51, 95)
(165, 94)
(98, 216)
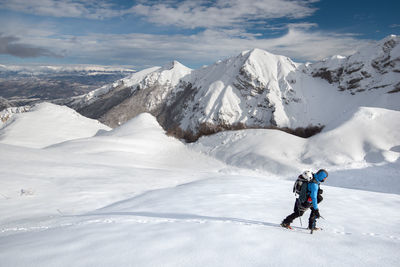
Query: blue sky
(151, 32)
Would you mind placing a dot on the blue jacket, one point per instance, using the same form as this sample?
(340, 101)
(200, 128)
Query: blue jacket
(314, 186)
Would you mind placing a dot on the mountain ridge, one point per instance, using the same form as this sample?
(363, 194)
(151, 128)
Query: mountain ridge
(254, 89)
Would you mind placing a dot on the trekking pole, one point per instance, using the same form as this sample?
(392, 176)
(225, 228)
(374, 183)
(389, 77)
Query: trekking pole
(59, 211)
(298, 212)
(6, 197)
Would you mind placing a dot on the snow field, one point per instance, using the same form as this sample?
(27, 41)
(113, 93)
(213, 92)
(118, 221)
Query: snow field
(226, 220)
(133, 196)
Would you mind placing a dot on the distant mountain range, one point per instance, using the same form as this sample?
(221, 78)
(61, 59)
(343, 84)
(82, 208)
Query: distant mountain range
(28, 84)
(255, 89)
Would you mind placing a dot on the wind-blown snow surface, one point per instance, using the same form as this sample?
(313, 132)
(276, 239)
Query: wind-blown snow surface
(136, 197)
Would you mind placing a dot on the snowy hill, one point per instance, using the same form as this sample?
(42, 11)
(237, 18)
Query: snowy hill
(255, 89)
(144, 141)
(44, 124)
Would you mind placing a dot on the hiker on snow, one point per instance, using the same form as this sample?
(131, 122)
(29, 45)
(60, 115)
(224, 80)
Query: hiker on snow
(307, 187)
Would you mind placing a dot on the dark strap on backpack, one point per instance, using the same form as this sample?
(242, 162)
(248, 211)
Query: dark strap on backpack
(303, 192)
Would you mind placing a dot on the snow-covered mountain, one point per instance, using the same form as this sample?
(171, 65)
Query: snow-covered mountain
(144, 91)
(239, 92)
(254, 89)
(243, 91)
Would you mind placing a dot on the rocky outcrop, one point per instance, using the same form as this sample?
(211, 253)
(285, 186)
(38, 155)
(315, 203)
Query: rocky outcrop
(374, 67)
(7, 114)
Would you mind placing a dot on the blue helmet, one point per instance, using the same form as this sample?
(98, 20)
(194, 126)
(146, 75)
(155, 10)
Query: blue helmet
(321, 175)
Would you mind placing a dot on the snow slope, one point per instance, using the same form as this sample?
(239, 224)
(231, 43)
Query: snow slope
(169, 74)
(86, 173)
(45, 124)
(143, 142)
(92, 96)
(369, 136)
(133, 196)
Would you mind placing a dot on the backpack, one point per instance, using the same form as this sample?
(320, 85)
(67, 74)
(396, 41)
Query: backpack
(300, 187)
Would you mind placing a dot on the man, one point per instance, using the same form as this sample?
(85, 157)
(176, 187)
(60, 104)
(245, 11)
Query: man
(313, 198)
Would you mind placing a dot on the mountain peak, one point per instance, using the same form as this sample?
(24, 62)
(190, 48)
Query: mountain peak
(391, 37)
(256, 52)
(390, 42)
(174, 65)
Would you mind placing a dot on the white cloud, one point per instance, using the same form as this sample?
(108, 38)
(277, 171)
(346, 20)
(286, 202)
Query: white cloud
(184, 14)
(226, 31)
(63, 8)
(313, 45)
(205, 47)
(222, 13)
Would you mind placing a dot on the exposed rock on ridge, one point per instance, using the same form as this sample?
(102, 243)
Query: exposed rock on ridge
(376, 66)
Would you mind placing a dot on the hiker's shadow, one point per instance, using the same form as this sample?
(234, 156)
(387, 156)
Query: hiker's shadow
(182, 216)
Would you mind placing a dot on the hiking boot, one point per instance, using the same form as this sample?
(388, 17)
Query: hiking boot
(286, 225)
(315, 228)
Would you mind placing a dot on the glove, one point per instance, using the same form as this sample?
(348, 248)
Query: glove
(317, 215)
(320, 191)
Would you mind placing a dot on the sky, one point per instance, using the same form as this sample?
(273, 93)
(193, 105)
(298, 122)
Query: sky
(148, 33)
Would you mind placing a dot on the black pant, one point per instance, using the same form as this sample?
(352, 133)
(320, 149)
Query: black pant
(299, 209)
